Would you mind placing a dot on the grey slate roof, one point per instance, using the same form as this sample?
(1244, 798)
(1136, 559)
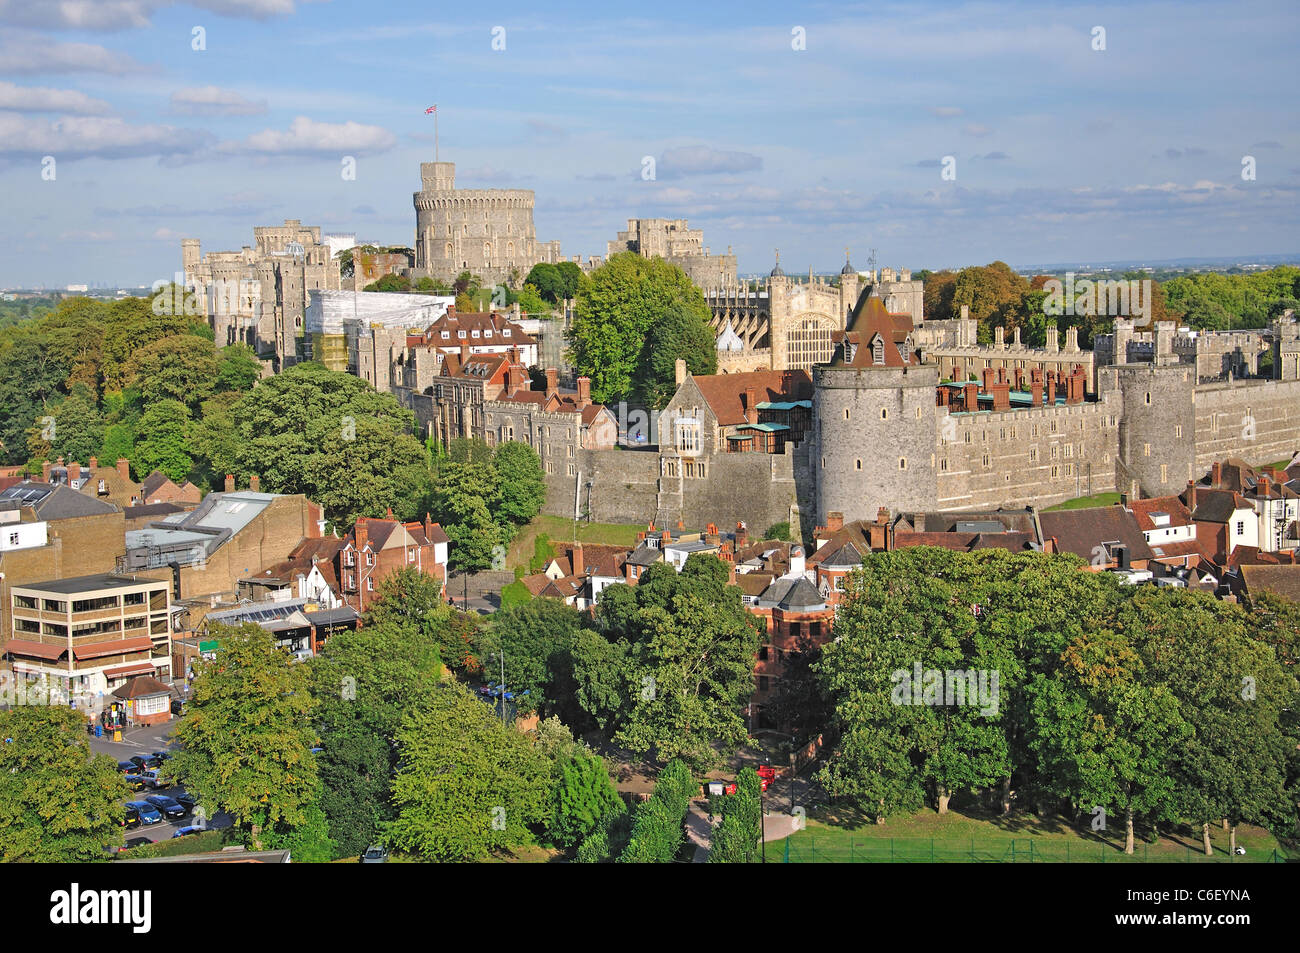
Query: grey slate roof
(53, 502)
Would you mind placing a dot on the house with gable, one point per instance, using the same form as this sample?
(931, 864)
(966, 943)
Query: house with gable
(375, 548)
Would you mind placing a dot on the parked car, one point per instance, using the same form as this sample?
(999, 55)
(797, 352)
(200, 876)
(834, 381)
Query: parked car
(170, 807)
(134, 781)
(153, 777)
(187, 831)
(147, 812)
(138, 759)
(132, 819)
(127, 767)
(162, 755)
(375, 854)
(186, 801)
(178, 707)
(136, 842)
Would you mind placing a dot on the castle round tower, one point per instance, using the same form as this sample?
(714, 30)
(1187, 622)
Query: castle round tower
(874, 439)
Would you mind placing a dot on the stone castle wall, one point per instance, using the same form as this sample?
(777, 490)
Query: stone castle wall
(1258, 421)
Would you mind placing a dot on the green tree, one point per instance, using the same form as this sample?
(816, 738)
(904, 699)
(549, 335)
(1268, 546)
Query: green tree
(467, 784)
(680, 332)
(548, 282)
(332, 437)
(181, 368)
(214, 441)
(238, 368)
(584, 796)
(59, 802)
(78, 427)
(615, 314)
(736, 839)
(162, 441)
(462, 504)
(247, 736)
(366, 682)
(537, 639)
(521, 483)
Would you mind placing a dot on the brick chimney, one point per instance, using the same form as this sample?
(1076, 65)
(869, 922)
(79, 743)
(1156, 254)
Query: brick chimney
(882, 515)
(742, 535)
(255, 484)
(45, 471)
(584, 392)
(751, 405)
(362, 533)
(987, 376)
(74, 471)
(230, 483)
(1051, 389)
(579, 566)
(1191, 495)
(552, 382)
(1036, 392)
(834, 521)
(681, 526)
(1216, 475)
(970, 395)
(124, 467)
(1263, 487)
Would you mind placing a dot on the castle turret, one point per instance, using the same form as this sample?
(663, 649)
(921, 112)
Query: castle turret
(1157, 429)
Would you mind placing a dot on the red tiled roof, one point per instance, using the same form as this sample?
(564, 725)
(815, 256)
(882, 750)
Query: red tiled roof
(724, 392)
(1179, 515)
(142, 687)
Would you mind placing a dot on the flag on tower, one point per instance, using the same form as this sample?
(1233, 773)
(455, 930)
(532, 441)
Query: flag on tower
(431, 109)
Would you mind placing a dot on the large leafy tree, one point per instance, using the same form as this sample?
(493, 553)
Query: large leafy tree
(467, 784)
(680, 332)
(331, 436)
(463, 504)
(1106, 735)
(365, 683)
(78, 426)
(162, 441)
(521, 483)
(213, 439)
(537, 641)
(1233, 694)
(238, 368)
(59, 802)
(547, 280)
(677, 678)
(182, 368)
(615, 314)
(246, 739)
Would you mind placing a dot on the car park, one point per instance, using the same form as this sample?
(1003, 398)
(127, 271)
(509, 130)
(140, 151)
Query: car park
(170, 807)
(153, 778)
(147, 812)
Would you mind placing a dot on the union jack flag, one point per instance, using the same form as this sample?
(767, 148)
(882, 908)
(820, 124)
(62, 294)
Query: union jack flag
(431, 109)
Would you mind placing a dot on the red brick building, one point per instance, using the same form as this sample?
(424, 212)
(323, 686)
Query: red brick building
(377, 547)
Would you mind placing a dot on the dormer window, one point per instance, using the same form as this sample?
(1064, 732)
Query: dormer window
(505, 332)
(474, 333)
(446, 335)
(487, 333)
(878, 350)
(460, 334)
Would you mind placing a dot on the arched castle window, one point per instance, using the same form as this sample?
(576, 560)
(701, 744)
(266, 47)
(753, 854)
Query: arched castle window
(857, 464)
(846, 413)
(902, 463)
(487, 251)
(884, 413)
(809, 343)
(448, 250)
(510, 248)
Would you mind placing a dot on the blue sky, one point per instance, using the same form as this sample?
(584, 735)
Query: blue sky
(1062, 152)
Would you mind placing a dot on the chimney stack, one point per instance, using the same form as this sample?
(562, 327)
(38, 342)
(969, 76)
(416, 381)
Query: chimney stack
(552, 382)
(970, 395)
(1216, 475)
(1000, 336)
(742, 535)
(834, 521)
(230, 483)
(124, 468)
(584, 392)
(255, 484)
(1191, 495)
(1263, 487)
(45, 471)
(882, 515)
(362, 533)
(751, 405)
(579, 566)
(74, 471)
(1053, 339)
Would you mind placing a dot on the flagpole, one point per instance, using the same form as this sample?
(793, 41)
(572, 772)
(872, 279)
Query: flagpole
(435, 133)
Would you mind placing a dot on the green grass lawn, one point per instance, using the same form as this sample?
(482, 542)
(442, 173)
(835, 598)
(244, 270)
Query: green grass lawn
(560, 530)
(1084, 502)
(834, 836)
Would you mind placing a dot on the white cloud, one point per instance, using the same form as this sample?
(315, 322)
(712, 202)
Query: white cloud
(702, 160)
(976, 129)
(113, 15)
(947, 111)
(214, 101)
(308, 137)
(40, 99)
(37, 54)
(76, 137)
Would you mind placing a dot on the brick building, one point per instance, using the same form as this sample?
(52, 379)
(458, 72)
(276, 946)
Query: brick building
(375, 548)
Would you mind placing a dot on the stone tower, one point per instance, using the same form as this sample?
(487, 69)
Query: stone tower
(1157, 429)
(1286, 348)
(875, 420)
(488, 232)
